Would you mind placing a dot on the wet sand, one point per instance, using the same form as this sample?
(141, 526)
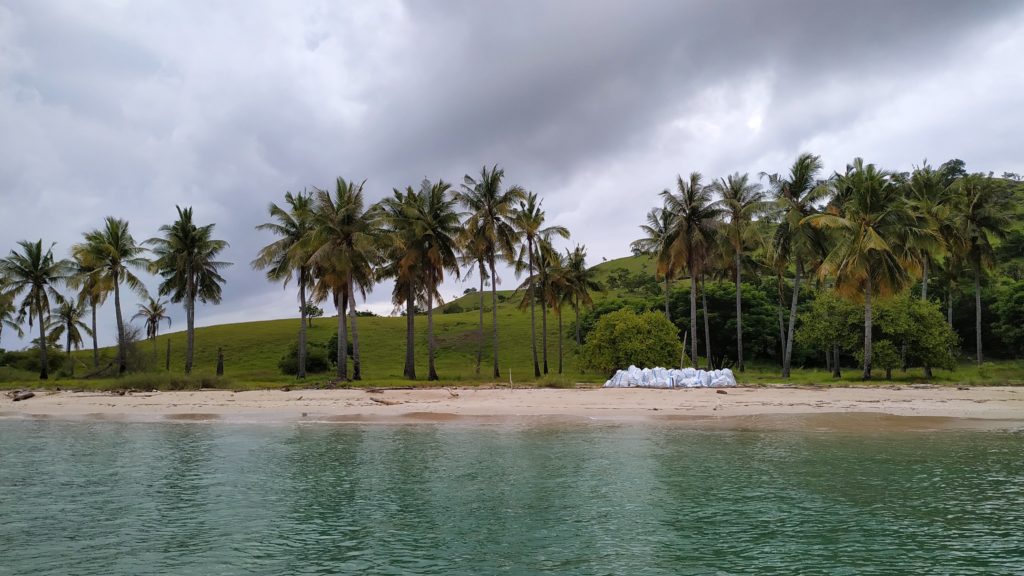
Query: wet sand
(863, 409)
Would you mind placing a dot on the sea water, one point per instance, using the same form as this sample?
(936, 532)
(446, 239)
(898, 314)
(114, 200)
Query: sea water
(217, 498)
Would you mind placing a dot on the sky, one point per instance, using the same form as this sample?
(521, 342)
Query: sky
(127, 108)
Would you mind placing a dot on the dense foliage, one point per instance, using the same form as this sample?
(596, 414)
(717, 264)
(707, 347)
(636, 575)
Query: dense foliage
(623, 337)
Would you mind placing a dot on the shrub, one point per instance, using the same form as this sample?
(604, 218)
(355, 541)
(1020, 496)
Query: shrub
(316, 360)
(453, 308)
(332, 350)
(624, 337)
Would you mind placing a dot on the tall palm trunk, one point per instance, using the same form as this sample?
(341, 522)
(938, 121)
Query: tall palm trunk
(95, 343)
(122, 360)
(693, 318)
(44, 371)
(410, 327)
(431, 371)
(707, 328)
(787, 358)
(836, 373)
(190, 320)
(924, 279)
(357, 373)
(494, 315)
(533, 314)
(867, 327)
(668, 291)
(576, 310)
(949, 306)
(559, 312)
(779, 305)
(480, 332)
(71, 362)
(340, 303)
(544, 333)
(739, 312)
(301, 373)
(977, 308)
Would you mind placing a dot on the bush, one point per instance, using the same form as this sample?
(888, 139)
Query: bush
(332, 350)
(623, 337)
(1009, 317)
(453, 308)
(316, 360)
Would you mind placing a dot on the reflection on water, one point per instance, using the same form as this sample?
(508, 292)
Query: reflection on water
(215, 498)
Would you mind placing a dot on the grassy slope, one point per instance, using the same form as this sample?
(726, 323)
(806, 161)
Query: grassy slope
(252, 349)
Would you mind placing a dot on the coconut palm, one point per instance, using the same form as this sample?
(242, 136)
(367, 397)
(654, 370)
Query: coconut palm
(873, 231)
(657, 242)
(491, 207)
(930, 200)
(66, 320)
(742, 200)
(528, 222)
(111, 252)
(152, 313)
(403, 261)
(342, 250)
(556, 287)
(982, 211)
(8, 315)
(473, 246)
(694, 218)
(186, 259)
(580, 282)
(797, 196)
(286, 257)
(35, 273)
(93, 290)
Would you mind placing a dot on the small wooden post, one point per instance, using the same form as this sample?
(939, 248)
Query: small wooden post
(220, 361)
(167, 365)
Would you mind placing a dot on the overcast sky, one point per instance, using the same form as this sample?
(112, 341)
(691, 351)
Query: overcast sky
(128, 108)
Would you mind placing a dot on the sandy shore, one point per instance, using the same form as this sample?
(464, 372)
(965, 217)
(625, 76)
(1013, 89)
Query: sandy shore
(767, 407)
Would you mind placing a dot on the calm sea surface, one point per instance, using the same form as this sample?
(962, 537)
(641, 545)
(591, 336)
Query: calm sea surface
(200, 498)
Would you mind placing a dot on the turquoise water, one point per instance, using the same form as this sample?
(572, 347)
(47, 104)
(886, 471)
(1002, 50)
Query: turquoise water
(191, 498)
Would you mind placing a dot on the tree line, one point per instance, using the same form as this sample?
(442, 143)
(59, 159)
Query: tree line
(334, 246)
(865, 234)
(184, 256)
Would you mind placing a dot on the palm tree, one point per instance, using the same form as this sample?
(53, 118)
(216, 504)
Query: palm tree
(981, 211)
(930, 201)
(93, 290)
(874, 231)
(580, 282)
(657, 242)
(67, 321)
(35, 273)
(111, 252)
(528, 222)
(797, 196)
(436, 224)
(186, 259)
(403, 261)
(694, 218)
(474, 254)
(742, 200)
(556, 292)
(342, 246)
(490, 212)
(7, 315)
(153, 313)
(286, 257)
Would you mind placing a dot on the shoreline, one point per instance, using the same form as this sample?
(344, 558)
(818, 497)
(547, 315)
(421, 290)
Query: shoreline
(761, 408)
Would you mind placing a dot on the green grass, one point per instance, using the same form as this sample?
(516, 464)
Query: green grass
(252, 351)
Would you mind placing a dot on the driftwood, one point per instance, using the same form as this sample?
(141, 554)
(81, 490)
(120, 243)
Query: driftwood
(382, 390)
(19, 395)
(386, 402)
(99, 371)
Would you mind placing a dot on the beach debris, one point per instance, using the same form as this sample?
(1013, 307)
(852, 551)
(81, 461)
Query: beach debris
(19, 395)
(658, 377)
(385, 402)
(962, 388)
(720, 392)
(453, 393)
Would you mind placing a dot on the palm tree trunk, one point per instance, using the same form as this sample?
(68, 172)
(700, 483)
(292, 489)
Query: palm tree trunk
(480, 332)
(835, 361)
(977, 308)
(44, 371)
(410, 327)
(533, 314)
(301, 373)
(924, 280)
(357, 372)
(122, 361)
(494, 315)
(787, 358)
(707, 329)
(190, 333)
(693, 318)
(867, 327)
(544, 333)
(431, 371)
(71, 362)
(559, 312)
(668, 290)
(95, 343)
(576, 309)
(739, 313)
(828, 357)
(782, 323)
(340, 303)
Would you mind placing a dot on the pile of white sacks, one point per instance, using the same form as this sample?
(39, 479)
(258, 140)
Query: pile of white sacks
(634, 377)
